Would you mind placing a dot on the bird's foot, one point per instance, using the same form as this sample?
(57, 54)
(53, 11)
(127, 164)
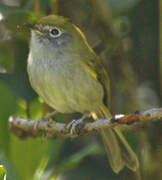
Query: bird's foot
(75, 126)
(44, 118)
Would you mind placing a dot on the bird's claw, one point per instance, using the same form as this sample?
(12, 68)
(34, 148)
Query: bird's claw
(75, 126)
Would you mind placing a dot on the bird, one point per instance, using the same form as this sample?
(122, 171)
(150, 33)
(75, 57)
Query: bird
(69, 76)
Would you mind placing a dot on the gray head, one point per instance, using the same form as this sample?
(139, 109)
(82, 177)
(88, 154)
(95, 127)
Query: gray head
(55, 32)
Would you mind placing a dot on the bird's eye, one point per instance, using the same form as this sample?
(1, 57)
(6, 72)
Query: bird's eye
(55, 32)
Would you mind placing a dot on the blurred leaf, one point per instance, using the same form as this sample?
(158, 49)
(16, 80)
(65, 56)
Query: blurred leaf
(74, 160)
(36, 109)
(2, 173)
(11, 175)
(26, 155)
(45, 169)
(40, 170)
(8, 107)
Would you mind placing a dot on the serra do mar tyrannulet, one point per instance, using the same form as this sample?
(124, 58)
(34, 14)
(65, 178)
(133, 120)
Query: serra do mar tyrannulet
(64, 70)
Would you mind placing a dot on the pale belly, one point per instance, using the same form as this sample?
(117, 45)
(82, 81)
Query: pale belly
(66, 88)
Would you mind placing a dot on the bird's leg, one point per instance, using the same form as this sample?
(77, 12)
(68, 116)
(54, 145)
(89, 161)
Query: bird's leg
(75, 126)
(44, 118)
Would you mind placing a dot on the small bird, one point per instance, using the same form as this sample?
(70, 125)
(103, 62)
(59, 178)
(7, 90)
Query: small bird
(65, 71)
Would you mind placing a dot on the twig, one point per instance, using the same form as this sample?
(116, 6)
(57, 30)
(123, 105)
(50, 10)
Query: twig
(26, 127)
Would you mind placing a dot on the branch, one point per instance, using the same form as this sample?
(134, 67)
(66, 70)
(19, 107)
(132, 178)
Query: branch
(26, 127)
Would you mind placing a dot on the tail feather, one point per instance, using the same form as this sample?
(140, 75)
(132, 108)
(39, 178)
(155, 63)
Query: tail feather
(113, 150)
(119, 152)
(128, 155)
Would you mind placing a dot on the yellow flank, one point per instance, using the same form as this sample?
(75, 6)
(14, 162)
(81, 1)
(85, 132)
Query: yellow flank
(89, 70)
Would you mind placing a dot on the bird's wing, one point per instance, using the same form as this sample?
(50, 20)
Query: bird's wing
(94, 66)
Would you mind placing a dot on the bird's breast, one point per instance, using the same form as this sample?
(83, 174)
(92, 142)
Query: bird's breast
(64, 84)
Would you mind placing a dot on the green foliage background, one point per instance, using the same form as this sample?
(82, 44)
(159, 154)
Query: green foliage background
(125, 35)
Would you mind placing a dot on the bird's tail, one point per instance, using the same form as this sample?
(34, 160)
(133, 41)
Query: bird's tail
(118, 150)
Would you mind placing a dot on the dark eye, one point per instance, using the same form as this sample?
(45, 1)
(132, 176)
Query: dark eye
(55, 32)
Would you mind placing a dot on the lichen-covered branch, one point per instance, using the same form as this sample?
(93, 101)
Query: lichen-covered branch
(26, 127)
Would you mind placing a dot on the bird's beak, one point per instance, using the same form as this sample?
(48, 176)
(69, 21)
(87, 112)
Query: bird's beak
(34, 27)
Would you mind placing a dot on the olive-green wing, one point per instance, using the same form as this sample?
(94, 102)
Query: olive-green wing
(93, 65)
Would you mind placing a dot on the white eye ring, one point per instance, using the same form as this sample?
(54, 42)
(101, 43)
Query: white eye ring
(55, 32)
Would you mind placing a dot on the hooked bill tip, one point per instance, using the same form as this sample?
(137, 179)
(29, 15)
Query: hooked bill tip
(33, 27)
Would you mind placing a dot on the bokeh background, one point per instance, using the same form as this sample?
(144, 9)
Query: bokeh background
(125, 34)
